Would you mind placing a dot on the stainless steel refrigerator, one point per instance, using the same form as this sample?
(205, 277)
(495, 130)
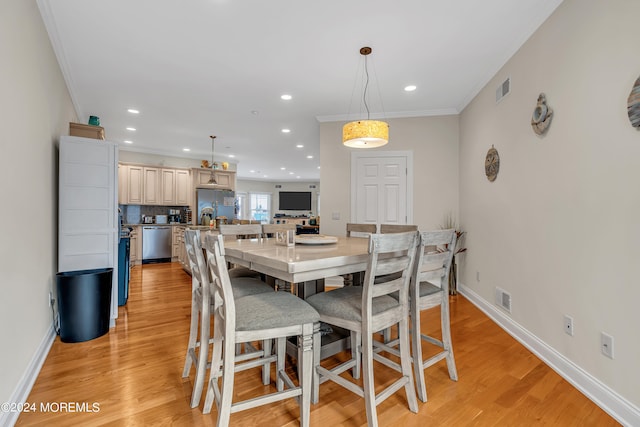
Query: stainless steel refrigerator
(215, 203)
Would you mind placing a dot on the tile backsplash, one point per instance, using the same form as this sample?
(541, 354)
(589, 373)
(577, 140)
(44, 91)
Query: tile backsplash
(132, 214)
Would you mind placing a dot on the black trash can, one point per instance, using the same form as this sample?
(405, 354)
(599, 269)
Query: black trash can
(84, 303)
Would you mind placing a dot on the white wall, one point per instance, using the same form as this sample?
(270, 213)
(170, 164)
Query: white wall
(559, 228)
(434, 143)
(36, 109)
(249, 185)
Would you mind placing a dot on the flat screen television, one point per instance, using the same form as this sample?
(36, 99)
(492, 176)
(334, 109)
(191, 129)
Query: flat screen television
(295, 200)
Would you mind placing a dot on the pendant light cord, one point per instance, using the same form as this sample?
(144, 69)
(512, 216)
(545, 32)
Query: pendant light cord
(366, 86)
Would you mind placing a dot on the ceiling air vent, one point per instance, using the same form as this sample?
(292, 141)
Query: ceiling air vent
(503, 90)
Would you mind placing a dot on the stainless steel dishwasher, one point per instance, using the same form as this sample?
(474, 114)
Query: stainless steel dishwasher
(156, 244)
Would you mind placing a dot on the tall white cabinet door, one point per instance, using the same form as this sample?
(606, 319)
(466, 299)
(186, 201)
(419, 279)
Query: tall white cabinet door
(183, 187)
(152, 184)
(381, 190)
(168, 186)
(134, 184)
(88, 224)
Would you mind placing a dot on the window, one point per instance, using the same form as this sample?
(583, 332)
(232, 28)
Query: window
(260, 207)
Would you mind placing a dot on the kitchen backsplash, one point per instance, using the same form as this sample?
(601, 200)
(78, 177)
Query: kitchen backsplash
(132, 214)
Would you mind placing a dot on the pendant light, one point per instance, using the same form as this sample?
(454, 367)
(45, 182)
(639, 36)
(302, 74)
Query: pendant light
(212, 178)
(365, 133)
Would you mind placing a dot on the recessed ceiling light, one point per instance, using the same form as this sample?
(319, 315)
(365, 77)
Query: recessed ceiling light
(186, 149)
(252, 171)
(283, 169)
(299, 146)
(255, 112)
(318, 167)
(286, 97)
(309, 157)
(128, 142)
(265, 176)
(410, 88)
(290, 173)
(286, 130)
(232, 155)
(298, 176)
(131, 129)
(133, 111)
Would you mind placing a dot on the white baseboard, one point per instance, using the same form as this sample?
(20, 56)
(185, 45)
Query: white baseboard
(22, 390)
(611, 402)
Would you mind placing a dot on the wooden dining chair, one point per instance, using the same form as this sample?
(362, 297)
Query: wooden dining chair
(397, 228)
(275, 315)
(430, 288)
(370, 308)
(360, 230)
(242, 286)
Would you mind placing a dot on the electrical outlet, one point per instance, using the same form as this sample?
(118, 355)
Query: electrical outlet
(477, 276)
(568, 325)
(606, 344)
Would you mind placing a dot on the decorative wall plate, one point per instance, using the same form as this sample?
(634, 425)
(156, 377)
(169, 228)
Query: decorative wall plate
(633, 105)
(492, 164)
(542, 114)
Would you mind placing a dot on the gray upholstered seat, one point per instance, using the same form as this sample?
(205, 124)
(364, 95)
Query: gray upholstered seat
(244, 286)
(265, 311)
(345, 303)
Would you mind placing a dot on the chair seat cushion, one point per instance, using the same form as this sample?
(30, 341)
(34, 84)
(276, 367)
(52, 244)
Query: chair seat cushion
(426, 289)
(346, 303)
(244, 286)
(272, 310)
(240, 271)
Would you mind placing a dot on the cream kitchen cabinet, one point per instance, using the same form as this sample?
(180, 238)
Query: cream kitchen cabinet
(168, 187)
(225, 179)
(183, 187)
(134, 184)
(152, 186)
(135, 246)
(176, 238)
(123, 183)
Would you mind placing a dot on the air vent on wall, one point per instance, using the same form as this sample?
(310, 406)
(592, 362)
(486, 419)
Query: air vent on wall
(503, 299)
(503, 90)
(278, 186)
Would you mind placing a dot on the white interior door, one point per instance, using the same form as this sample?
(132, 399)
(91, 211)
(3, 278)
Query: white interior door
(381, 183)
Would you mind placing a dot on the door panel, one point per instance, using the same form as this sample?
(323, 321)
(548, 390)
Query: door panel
(380, 190)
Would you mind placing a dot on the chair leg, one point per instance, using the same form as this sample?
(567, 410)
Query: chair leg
(203, 358)
(368, 384)
(356, 353)
(216, 365)
(228, 376)
(281, 354)
(416, 353)
(193, 335)
(305, 358)
(405, 363)
(446, 339)
(317, 343)
(266, 368)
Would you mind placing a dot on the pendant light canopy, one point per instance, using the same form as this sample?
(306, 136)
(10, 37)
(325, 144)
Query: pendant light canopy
(212, 178)
(365, 133)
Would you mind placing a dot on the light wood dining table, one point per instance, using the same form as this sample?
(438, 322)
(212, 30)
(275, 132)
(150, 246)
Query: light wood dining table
(305, 265)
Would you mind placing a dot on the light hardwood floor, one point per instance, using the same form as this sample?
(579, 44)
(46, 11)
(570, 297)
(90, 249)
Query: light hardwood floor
(134, 374)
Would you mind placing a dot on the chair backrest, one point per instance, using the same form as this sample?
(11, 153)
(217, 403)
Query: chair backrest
(269, 229)
(433, 260)
(397, 228)
(389, 268)
(193, 246)
(224, 305)
(241, 231)
(360, 230)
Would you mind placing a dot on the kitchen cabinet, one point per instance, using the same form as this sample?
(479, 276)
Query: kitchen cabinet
(168, 187)
(183, 187)
(175, 243)
(123, 181)
(134, 184)
(135, 247)
(181, 248)
(226, 179)
(152, 186)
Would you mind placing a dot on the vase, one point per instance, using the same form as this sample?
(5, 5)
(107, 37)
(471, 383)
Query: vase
(453, 278)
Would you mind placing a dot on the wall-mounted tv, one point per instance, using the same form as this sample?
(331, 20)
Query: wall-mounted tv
(295, 201)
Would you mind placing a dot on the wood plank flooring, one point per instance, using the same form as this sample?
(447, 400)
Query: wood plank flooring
(134, 375)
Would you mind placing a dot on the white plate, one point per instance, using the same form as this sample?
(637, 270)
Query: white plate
(315, 239)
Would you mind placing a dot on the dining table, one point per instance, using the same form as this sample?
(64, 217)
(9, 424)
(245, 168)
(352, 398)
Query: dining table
(305, 265)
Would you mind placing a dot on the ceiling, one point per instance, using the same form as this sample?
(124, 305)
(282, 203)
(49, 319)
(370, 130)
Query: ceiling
(219, 67)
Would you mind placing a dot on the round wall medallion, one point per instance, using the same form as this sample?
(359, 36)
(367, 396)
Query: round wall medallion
(492, 164)
(541, 117)
(633, 105)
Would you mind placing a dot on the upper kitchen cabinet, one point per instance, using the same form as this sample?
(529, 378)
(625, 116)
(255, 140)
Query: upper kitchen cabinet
(147, 185)
(225, 180)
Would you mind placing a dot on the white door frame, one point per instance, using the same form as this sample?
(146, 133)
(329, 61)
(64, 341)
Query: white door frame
(355, 155)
